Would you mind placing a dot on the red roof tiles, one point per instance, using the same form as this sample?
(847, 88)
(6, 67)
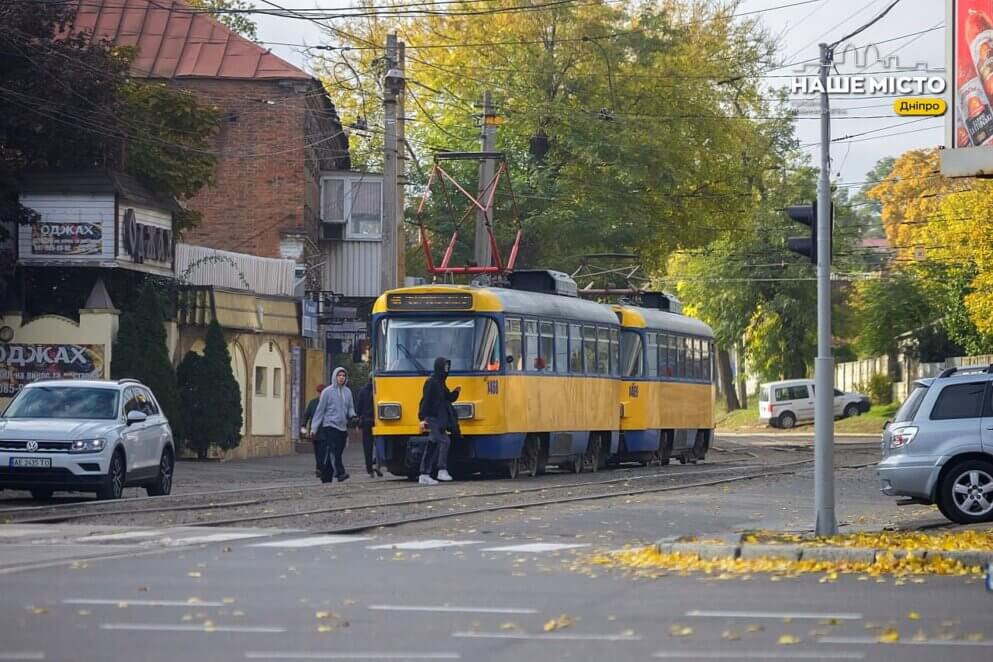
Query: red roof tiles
(175, 41)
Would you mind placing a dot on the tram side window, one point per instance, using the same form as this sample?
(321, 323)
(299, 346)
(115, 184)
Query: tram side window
(546, 349)
(680, 357)
(531, 362)
(589, 350)
(652, 354)
(561, 347)
(631, 354)
(667, 364)
(514, 345)
(615, 352)
(575, 349)
(697, 367)
(602, 351)
(707, 370)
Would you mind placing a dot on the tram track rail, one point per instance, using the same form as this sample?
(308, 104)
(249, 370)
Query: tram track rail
(320, 491)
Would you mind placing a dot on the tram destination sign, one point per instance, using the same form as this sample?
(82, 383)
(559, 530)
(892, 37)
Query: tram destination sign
(434, 301)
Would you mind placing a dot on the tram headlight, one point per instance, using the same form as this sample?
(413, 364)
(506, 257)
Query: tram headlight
(389, 411)
(465, 410)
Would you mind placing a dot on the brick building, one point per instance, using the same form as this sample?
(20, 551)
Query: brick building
(279, 128)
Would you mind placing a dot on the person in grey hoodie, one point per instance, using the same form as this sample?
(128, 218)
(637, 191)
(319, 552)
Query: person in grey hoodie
(330, 424)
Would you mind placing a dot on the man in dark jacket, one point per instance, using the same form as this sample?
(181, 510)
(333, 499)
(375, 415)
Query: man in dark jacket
(308, 416)
(366, 411)
(434, 415)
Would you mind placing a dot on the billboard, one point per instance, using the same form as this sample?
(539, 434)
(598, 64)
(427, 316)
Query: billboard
(48, 238)
(22, 364)
(969, 55)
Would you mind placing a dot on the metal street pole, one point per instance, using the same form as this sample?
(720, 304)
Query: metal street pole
(482, 251)
(825, 524)
(390, 238)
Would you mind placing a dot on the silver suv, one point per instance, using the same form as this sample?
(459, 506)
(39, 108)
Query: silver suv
(86, 436)
(939, 447)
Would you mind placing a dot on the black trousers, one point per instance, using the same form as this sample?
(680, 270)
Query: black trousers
(333, 443)
(368, 447)
(316, 443)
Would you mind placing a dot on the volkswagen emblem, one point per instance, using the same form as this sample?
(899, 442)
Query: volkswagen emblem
(31, 446)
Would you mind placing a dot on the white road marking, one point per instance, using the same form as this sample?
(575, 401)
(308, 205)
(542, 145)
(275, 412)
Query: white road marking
(868, 641)
(158, 627)
(426, 544)
(22, 655)
(311, 541)
(127, 535)
(456, 610)
(547, 636)
(305, 655)
(848, 616)
(536, 547)
(212, 537)
(142, 603)
(14, 532)
(759, 655)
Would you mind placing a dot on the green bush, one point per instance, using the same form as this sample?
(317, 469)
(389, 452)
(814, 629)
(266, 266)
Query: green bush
(879, 388)
(140, 352)
(358, 372)
(211, 400)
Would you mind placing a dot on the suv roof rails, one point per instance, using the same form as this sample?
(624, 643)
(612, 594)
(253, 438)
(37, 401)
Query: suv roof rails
(948, 372)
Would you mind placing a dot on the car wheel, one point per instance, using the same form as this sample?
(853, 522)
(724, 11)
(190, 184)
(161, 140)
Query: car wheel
(965, 495)
(787, 420)
(114, 487)
(163, 482)
(41, 495)
(852, 410)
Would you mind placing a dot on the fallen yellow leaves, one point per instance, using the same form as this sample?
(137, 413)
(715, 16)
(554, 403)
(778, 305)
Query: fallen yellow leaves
(894, 541)
(788, 640)
(562, 622)
(889, 636)
(680, 631)
(649, 561)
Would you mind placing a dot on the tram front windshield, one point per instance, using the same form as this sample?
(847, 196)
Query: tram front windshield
(412, 344)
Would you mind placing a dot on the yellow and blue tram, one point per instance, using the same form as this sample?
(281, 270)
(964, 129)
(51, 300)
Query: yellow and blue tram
(546, 379)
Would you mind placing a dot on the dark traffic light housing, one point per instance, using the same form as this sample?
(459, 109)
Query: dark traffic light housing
(806, 215)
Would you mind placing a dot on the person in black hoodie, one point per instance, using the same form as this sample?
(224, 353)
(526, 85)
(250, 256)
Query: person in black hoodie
(366, 413)
(435, 414)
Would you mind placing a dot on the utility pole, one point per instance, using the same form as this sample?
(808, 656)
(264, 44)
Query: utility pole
(826, 523)
(401, 235)
(392, 89)
(483, 254)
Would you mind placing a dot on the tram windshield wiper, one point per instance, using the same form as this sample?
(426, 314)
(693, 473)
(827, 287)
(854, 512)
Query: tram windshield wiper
(406, 352)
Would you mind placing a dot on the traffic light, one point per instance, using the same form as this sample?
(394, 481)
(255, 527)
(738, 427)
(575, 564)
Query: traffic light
(806, 215)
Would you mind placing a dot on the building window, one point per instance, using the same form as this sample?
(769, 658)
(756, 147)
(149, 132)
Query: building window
(260, 374)
(366, 217)
(334, 200)
(277, 382)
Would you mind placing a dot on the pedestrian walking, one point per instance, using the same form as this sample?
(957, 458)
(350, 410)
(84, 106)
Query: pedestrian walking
(434, 415)
(335, 409)
(308, 416)
(366, 411)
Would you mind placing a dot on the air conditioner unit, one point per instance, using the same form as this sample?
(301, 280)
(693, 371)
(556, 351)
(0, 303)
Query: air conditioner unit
(332, 231)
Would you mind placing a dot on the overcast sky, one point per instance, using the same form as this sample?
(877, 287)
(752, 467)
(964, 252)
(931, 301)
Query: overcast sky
(799, 30)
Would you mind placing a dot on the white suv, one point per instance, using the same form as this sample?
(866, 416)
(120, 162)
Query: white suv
(86, 436)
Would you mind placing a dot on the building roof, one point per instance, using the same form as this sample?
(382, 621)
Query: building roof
(93, 181)
(174, 40)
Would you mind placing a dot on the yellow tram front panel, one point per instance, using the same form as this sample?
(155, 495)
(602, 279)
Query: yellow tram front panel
(485, 393)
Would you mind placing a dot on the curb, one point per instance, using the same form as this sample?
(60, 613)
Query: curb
(716, 551)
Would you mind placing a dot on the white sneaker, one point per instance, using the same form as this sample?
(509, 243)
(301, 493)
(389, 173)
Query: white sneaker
(443, 475)
(427, 480)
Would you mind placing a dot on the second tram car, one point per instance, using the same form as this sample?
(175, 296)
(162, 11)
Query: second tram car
(547, 379)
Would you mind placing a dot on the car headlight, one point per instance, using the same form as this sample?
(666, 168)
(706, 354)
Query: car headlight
(389, 411)
(88, 446)
(465, 410)
(902, 436)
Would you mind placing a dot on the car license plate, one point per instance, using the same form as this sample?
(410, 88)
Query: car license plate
(32, 462)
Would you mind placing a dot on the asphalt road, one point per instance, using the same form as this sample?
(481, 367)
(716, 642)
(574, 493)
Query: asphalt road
(451, 590)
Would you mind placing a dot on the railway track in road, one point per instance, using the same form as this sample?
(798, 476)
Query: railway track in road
(375, 495)
(358, 517)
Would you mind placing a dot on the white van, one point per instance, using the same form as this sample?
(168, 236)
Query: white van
(786, 403)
